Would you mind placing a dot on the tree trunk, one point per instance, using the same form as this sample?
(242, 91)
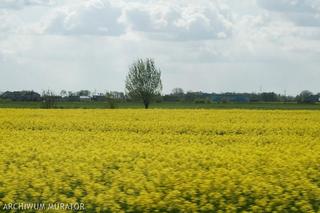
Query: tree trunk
(146, 104)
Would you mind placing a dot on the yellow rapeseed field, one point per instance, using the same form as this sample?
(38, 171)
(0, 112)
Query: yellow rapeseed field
(162, 160)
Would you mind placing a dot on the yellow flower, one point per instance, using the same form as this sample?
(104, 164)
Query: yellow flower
(162, 160)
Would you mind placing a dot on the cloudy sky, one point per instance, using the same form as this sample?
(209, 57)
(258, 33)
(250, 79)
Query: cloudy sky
(207, 45)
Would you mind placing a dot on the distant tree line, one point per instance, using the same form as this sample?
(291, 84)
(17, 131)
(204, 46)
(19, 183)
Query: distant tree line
(177, 95)
(49, 98)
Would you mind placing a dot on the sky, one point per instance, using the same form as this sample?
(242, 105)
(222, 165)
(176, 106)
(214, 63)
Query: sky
(203, 45)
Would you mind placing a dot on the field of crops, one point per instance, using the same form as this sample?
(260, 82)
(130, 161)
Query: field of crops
(162, 160)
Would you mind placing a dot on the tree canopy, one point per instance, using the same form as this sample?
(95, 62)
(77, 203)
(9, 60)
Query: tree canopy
(144, 81)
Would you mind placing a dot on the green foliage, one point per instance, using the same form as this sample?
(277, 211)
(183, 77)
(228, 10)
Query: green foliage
(144, 81)
(84, 93)
(112, 103)
(269, 97)
(307, 97)
(202, 101)
(49, 100)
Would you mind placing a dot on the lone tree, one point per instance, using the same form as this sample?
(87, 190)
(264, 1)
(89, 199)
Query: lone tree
(144, 81)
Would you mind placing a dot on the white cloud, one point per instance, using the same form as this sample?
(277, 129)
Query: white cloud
(7, 21)
(290, 5)
(301, 12)
(19, 4)
(190, 21)
(86, 18)
(155, 19)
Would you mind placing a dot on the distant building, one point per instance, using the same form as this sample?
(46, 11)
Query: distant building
(85, 98)
(311, 99)
(21, 96)
(115, 95)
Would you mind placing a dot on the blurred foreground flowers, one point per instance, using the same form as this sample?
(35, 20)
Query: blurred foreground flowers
(162, 160)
